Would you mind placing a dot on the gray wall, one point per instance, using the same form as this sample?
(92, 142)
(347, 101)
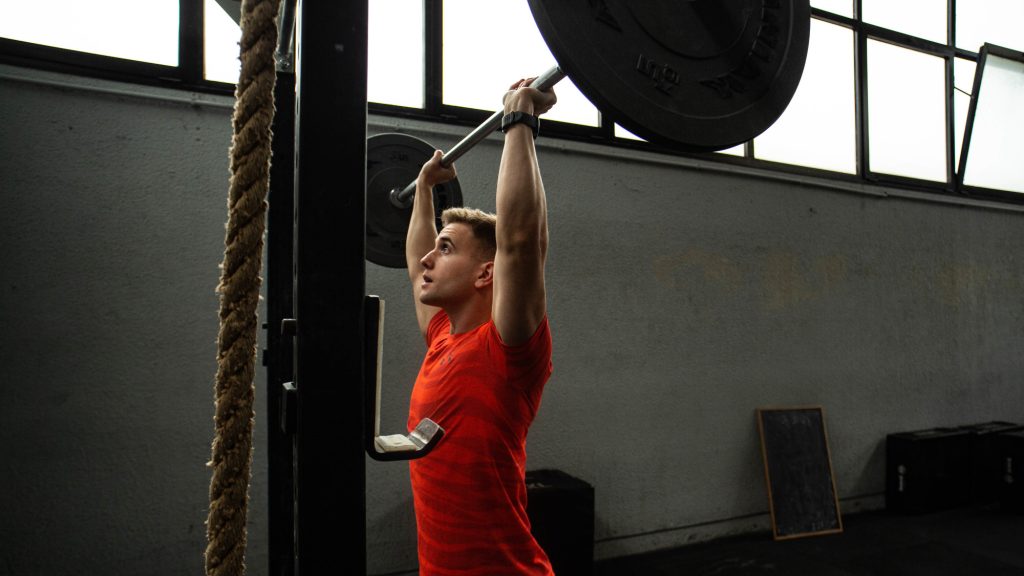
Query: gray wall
(682, 297)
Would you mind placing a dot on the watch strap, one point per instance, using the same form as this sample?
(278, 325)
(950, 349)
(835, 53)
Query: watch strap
(513, 118)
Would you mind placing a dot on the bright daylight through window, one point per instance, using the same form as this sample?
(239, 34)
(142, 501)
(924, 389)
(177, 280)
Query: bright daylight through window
(143, 31)
(914, 117)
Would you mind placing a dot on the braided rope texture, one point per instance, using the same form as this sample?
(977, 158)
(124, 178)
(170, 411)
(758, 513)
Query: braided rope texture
(239, 291)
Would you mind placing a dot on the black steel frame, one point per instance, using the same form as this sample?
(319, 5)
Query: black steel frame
(316, 272)
(278, 357)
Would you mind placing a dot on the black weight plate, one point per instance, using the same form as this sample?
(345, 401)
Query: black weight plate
(700, 75)
(393, 161)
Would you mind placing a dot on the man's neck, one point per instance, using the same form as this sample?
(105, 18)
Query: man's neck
(468, 316)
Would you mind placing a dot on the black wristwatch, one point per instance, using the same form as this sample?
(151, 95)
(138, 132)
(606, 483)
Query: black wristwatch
(512, 118)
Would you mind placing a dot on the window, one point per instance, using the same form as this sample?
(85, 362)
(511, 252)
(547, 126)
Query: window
(396, 53)
(818, 129)
(479, 63)
(963, 83)
(999, 22)
(906, 112)
(130, 29)
(840, 7)
(993, 146)
(921, 18)
(220, 44)
(884, 96)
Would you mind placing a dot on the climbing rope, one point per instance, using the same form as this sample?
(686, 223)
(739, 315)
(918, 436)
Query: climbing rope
(239, 291)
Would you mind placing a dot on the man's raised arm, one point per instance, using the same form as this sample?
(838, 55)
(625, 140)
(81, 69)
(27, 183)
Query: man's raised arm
(522, 228)
(422, 233)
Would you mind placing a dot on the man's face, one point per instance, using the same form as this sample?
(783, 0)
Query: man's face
(453, 268)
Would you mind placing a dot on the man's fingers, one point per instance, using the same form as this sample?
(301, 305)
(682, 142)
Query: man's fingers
(542, 101)
(433, 172)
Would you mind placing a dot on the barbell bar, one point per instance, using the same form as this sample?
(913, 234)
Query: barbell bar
(402, 198)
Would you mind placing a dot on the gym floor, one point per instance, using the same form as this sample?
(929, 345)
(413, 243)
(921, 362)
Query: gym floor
(985, 540)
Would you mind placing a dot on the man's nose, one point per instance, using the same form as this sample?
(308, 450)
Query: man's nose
(428, 260)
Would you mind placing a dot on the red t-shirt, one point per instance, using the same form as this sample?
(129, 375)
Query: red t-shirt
(470, 492)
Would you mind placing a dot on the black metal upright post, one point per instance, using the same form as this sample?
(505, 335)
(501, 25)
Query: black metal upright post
(330, 283)
(279, 354)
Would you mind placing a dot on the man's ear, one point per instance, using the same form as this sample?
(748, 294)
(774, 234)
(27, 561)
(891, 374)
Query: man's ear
(485, 275)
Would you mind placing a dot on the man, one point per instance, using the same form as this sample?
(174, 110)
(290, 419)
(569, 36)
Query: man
(480, 301)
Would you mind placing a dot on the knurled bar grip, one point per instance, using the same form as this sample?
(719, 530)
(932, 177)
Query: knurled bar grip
(544, 82)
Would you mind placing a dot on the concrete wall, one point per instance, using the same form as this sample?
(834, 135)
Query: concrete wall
(682, 297)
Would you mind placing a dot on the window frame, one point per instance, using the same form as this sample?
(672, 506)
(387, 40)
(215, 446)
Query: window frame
(188, 75)
(1000, 52)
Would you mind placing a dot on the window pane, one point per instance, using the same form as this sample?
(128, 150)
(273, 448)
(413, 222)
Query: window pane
(963, 83)
(737, 150)
(818, 128)
(906, 112)
(481, 60)
(146, 31)
(999, 22)
(621, 132)
(395, 60)
(841, 7)
(996, 149)
(220, 44)
(921, 18)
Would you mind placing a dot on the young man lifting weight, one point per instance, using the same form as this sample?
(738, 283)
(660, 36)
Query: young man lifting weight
(478, 286)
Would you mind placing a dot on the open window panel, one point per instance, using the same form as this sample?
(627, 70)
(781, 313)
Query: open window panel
(416, 444)
(992, 151)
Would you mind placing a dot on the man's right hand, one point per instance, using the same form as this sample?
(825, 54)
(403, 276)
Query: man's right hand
(433, 172)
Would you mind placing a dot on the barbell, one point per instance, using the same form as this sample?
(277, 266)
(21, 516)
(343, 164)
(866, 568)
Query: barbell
(697, 75)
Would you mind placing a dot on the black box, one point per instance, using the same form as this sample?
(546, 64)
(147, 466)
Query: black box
(561, 511)
(986, 464)
(1009, 447)
(927, 470)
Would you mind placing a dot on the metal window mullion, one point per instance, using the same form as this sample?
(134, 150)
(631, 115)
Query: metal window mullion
(950, 116)
(190, 41)
(605, 131)
(860, 86)
(433, 71)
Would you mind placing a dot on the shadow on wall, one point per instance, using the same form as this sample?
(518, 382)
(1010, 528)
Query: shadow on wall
(872, 474)
(391, 539)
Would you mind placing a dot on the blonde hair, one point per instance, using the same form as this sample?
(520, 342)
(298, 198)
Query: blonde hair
(481, 223)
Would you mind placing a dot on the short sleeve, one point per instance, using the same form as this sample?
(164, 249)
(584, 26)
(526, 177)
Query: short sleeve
(527, 364)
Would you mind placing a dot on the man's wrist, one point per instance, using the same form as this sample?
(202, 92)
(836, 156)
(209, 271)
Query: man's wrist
(425, 182)
(528, 121)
